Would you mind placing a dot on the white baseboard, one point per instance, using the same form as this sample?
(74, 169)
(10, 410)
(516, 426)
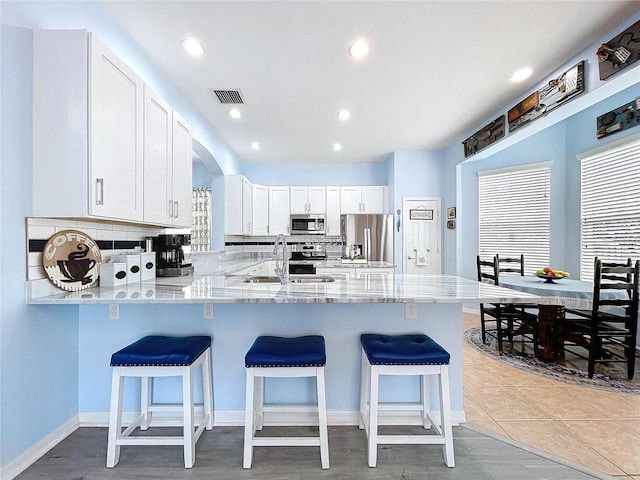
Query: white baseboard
(300, 416)
(29, 457)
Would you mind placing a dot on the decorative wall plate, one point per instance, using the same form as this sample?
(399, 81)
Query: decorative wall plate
(484, 137)
(618, 119)
(619, 52)
(550, 96)
(71, 260)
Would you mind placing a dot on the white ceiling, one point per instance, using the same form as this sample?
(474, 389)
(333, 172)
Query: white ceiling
(436, 69)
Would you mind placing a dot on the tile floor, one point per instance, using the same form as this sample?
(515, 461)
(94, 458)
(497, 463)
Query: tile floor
(598, 429)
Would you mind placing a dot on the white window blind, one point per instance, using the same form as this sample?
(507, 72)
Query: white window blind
(515, 214)
(610, 206)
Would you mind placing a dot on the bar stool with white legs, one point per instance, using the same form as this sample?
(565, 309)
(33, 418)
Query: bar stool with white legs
(413, 354)
(160, 356)
(271, 356)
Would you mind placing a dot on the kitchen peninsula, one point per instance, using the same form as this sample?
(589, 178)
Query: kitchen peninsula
(340, 310)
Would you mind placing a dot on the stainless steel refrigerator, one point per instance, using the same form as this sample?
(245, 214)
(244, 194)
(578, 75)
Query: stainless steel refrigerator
(369, 235)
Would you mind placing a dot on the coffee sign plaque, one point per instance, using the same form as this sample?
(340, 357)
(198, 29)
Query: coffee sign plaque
(71, 260)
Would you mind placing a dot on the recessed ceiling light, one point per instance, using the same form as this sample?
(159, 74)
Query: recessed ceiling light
(337, 147)
(359, 49)
(521, 75)
(255, 146)
(344, 114)
(234, 113)
(193, 47)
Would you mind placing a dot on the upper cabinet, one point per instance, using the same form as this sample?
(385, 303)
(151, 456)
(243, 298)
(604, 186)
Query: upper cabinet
(238, 201)
(88, 134)
(365, 199)
(167, 164)
(260, 209)
(308, 200)
(332, 220)
(279, 210)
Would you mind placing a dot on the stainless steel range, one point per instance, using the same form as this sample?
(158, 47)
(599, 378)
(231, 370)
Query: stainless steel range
(305, 257)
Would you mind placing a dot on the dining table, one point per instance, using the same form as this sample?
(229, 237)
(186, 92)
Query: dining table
(554, 297)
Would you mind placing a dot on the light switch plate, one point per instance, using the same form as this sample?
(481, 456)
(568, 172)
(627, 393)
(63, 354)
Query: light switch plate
(410, 311)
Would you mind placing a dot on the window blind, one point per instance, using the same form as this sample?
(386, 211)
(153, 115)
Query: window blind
(610, 206)
(515, 214)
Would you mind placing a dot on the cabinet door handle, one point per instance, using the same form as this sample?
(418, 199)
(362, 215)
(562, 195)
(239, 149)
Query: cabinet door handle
(170, 209)
(175, 209)
(99, 191)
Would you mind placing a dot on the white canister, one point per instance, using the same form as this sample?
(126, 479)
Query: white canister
(113, 274)
(133, 265)
(147, 266)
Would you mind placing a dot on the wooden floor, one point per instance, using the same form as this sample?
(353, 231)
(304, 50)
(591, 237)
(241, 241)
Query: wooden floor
(82, 456)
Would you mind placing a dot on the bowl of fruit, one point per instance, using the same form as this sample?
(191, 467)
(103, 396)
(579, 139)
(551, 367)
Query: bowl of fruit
(550, 274)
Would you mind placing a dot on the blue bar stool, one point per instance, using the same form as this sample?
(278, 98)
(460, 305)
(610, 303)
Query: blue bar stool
(413, 354)
(283, 357)
(160, 356)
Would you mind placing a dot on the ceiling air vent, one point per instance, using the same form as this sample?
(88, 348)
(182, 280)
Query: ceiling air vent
(229, 96)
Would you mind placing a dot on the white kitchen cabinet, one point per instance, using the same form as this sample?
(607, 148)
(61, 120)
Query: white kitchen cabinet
(182, 181)
(309, 200)
(260, 210)
(167, 164)
(87, 129)
(364, 199)
(332, 220)
(279, 210)
(238, 205)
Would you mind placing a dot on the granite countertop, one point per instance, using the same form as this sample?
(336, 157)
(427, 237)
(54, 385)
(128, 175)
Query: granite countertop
(233, 289)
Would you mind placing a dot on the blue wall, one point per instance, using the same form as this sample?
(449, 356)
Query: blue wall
(374, 173)
(39, 345)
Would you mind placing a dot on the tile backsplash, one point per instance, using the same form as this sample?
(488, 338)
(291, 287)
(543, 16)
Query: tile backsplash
(112, 238)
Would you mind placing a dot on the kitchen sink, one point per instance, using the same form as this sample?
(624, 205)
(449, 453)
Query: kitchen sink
(292, 279)
(312, 279)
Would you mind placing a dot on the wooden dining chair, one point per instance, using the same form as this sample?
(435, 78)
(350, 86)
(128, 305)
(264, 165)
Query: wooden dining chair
(608, 331)
(522, 319)
(490, 318)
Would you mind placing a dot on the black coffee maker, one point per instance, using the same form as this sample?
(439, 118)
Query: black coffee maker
(170, 260)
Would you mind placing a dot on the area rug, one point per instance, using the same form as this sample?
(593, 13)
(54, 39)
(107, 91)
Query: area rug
(552, 370)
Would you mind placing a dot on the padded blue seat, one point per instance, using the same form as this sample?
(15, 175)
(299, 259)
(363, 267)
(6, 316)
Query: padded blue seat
(411, 349)
(411, 355)
(160, 356)
(284, 357)
(155, 350)
(269, 351)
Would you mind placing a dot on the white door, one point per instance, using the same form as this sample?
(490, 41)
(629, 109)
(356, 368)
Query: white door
(247, 207)
(421, 235)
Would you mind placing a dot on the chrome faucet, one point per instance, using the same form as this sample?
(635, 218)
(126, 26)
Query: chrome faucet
(282, 268)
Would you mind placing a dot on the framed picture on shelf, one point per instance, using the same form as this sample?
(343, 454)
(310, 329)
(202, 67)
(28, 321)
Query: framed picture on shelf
(451, 212)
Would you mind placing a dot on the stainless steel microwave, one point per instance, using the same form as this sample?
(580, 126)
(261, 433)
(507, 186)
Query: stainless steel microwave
(307, 224)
